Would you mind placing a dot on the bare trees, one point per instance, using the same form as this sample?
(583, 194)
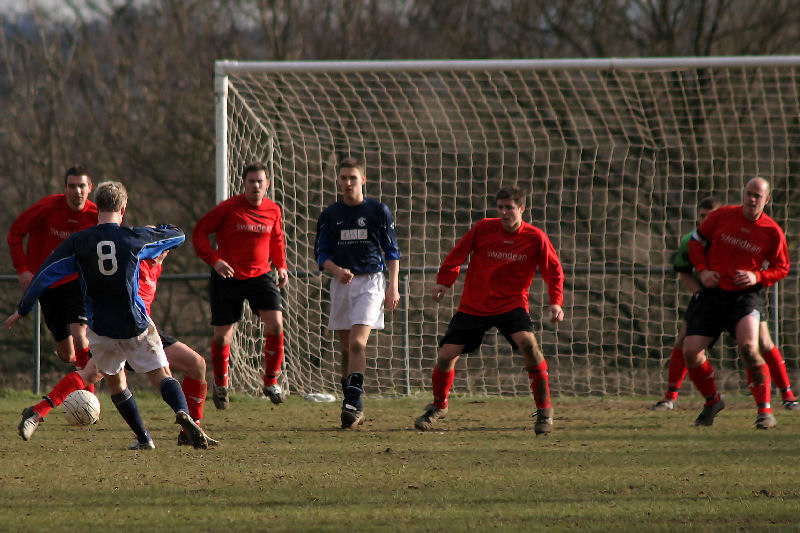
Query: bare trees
(125, 86)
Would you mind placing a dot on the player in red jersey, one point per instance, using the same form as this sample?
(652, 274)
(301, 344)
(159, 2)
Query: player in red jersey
(728, 251)
(677, 370)
(180, 357)
(249, 234)
(504, 254)
(46, 224)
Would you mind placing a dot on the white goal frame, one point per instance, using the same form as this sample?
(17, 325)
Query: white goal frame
(570, 374)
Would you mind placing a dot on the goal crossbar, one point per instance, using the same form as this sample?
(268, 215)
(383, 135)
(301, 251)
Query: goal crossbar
(225, 67)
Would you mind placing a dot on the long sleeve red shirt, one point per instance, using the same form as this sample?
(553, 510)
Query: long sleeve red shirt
(149, 272)
(735, 243)
(248, 237)
(46, 224)
(501, 267)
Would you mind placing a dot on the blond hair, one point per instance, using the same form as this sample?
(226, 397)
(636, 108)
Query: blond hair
(110, 197)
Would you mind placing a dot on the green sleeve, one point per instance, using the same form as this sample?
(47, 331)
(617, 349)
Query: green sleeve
(681, 261)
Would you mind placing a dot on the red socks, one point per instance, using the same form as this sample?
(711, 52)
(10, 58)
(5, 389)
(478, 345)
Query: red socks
(273, 358)
(777, 370)
(540, 384)
(68, 384)
(441, 382)
(675, 374)
(195, 392)
(219, 360)
(759, 383)
(81, 358)
(703, 378)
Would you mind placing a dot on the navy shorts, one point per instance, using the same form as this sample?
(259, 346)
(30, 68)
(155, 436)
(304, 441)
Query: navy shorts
(713, 311)
(61, 306)
(469, 329)
(227, 297)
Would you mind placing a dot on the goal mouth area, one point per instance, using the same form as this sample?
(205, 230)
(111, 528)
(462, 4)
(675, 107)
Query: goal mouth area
(615, 154)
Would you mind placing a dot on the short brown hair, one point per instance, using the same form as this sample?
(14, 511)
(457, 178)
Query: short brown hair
(110, 197)
(709, 202)
(77, 170)
(512, 193)
(255, 167)
(353, 162)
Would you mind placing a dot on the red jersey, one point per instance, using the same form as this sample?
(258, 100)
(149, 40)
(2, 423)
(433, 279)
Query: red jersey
(46, 223)
(502, 267)
(736, 243)
(248, 237)
(148, 281)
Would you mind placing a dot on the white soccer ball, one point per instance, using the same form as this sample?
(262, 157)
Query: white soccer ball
(81, 408)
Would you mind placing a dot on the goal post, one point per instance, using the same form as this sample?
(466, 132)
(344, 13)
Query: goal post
(615, 154)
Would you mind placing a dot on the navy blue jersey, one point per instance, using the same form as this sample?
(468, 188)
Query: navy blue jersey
(353, 236)
(106, 258)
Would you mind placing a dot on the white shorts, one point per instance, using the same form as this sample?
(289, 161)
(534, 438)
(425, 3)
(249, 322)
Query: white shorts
(144, 353)
(358, 302)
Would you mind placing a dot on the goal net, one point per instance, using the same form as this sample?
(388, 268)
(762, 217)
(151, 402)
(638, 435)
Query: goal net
(615, 154)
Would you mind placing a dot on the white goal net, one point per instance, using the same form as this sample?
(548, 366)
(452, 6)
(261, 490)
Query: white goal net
(615, 154)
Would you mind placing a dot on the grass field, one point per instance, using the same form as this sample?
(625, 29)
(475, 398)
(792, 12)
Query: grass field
(609, 465)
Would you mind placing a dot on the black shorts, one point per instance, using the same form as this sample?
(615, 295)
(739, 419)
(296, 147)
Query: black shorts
(166, 340)
(712, 311)
(469, 329)
(62, 306)
(689, 307)
(227, 296)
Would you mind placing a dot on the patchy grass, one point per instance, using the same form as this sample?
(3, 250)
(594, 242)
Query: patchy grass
(608, 465)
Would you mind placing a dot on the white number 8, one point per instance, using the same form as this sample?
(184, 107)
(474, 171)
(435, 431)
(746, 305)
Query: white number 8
(106, 251)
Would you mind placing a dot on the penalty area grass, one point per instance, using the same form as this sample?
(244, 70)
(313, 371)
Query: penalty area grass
(609, 465)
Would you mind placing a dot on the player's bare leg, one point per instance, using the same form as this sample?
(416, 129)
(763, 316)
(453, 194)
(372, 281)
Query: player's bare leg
(354, 343)
(65, 349)
(758, 378)
(441, 382)
(344, 357)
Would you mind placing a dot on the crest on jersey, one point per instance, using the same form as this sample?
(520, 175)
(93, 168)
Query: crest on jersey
(362, 221)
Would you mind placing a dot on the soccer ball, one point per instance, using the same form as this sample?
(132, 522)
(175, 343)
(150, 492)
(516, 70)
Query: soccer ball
(81, 408)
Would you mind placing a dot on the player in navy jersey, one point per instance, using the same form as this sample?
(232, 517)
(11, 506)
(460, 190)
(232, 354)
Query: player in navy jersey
(46, 224)
(249, 235)
(504, 254)
(355, 243)
(106, 258)
(729, 251)
(180, 356)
